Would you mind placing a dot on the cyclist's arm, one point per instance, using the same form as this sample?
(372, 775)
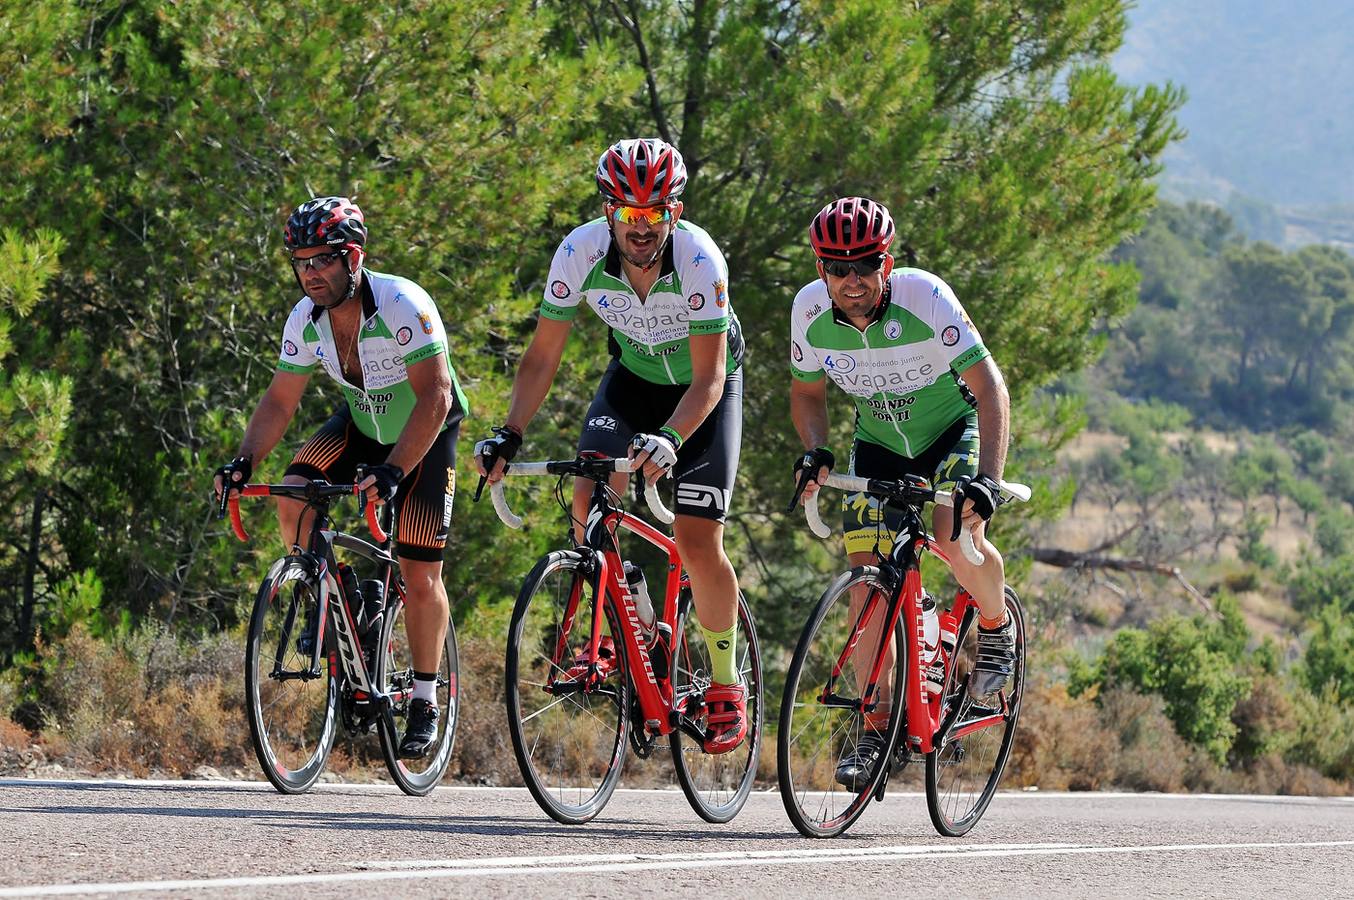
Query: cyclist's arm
(994, 415)
(708, 355)
(536, 371)
(808, 412)
(272, 415)
(431, 382)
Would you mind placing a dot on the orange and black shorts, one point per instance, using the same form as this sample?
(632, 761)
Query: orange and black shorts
(423, 501)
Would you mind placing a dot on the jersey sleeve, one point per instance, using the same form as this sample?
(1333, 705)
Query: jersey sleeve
(564, 287)
(804, 362)
(296, 354)
(414, 309)
(953, 328)
(707, 287)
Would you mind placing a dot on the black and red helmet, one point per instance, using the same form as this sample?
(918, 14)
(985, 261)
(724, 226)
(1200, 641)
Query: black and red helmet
(850, 228)
(325, 222)
(641, 172)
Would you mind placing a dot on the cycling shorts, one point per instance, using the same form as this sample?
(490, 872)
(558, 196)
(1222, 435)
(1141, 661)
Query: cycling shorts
(422, 502)
(865, 520)
(707, 461)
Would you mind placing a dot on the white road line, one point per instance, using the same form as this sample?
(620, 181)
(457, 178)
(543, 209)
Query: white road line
(338, 787)
(609, 863)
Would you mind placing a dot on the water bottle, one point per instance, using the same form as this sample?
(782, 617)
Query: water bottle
(351, 593)
(639, 592)
(373, 606)
(935, 673)
(932, 659)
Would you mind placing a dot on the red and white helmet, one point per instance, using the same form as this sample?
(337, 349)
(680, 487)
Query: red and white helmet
(641, 172)
(851, 227)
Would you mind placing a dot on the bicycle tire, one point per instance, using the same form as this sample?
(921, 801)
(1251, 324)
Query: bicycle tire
(395, 675)
(809, 729)
(570, 765)
(947, 763)
(716, 785)
(292, 718)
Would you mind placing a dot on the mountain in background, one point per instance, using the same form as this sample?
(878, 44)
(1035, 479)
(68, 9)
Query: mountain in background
(1270, 113)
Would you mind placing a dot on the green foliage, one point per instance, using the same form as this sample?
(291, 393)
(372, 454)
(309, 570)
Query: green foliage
(1315, 585)
(1251, 544)
(1192, 665)
(1328, 664)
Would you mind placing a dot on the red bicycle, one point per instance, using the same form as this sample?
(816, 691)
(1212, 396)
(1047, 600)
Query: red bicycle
(583, 680)
(847, 678)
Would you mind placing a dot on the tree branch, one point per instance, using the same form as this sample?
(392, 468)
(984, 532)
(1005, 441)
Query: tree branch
(1070, 559)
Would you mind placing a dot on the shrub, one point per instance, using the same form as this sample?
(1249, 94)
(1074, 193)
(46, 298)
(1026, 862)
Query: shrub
(1060, 743)
(1329, 660)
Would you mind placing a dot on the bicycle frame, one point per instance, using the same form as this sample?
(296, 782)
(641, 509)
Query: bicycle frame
(654, 694)
(926, 729)
(345, 651)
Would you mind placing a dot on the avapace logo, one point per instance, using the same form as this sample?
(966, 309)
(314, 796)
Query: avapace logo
(841, 364)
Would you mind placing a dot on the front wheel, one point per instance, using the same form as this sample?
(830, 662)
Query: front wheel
(974, 741)
(717, 785)
(567, 710)
(829, 729)
(417, 777)
(290, 692)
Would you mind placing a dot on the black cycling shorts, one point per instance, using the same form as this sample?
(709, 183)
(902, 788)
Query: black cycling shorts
(865, 521)
(423, 500)
(707, 461)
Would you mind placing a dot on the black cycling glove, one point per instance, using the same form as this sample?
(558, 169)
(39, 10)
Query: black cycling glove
(985, 493)
(806, 470)
(387, 477)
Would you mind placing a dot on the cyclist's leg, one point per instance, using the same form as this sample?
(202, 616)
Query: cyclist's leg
(330, 454)
(986, 582)
(707, 464)
(422, 524)
(607, 429)
(867, 525)
(424, 503)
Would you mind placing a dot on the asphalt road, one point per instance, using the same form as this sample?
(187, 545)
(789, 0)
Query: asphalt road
(226, 839)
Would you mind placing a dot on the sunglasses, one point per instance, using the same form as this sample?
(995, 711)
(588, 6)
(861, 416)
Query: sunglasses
(840, 268)
(641, 215)
(317, 262)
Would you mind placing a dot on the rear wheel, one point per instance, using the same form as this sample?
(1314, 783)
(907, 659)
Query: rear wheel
(965, 768)
(566, 711)
(291, 694)
(417, 777)
(716, 784)
(822, 721)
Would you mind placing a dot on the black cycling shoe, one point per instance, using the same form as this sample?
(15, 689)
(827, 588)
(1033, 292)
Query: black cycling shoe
(420, 730)
(857, 767)
(996, 660)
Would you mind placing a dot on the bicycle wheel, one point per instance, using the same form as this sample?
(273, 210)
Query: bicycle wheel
(293, 708)
(417, 777)
(964, 770)
(816, 731)
(568, 726)
(716, 784)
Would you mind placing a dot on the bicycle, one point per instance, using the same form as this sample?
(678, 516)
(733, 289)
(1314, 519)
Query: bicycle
(965, 741)
(310, 660)
(582, 680)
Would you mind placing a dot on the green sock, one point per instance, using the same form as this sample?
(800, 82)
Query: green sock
(722, 649)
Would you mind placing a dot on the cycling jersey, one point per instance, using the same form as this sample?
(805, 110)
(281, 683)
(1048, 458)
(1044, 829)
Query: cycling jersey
(903, 370)
(651, 339)
(400, 326)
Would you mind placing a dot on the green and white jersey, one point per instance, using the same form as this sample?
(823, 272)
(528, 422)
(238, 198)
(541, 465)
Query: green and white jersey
(902, 371)
(400, 326)
(690, 297)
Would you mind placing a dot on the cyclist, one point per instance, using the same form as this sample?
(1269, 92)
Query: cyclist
(380, 337)
(672, 396)
(929, 401)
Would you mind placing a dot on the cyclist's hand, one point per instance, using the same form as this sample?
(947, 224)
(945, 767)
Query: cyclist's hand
(981, 495)
(656, 453)
(237, 473)
(811, 470)
(492, 455)
(380, 482)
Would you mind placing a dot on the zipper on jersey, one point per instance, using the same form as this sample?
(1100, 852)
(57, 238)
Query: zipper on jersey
(907, 445)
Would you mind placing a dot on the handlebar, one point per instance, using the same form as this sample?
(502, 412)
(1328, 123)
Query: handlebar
(314, 490)
(855, 484)
(584, 467)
